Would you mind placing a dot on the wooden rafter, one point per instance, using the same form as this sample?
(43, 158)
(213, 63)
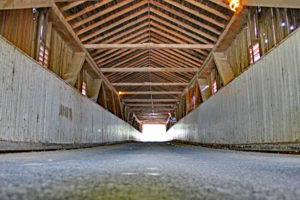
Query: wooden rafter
(159, 63)
(116, 39)
(115, 76)
(148, 69)
(124, 56)
(149, 100)
(104, 54)
(111, 26)
(150, 84)
(119, 31)
(167, 62)
(173, 58)
(151, 92)
(167, 24)
(148, 46)
(147, 110)
(209, 9)
(125, 34)
(184, 72)
(190, 19)
(104, 20)
(71, 5)
(179, 35)
(118, 56)
(128, 37)
(131, 58)
(181, 23)
(87, 9)
(220, 3)
(174, 39)
(150, 105)
(186, 53)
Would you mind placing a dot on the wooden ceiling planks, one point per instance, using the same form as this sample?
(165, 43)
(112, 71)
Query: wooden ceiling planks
(112, 26)
(87, 9)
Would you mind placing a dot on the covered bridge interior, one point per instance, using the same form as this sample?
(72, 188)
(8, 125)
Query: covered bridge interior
(86, 73)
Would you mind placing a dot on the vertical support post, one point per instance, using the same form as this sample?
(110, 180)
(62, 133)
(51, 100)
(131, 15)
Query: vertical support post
(198, 96)
(113, 102)
(102, 97)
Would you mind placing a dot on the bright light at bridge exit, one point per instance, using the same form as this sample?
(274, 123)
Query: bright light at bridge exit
(154, 133)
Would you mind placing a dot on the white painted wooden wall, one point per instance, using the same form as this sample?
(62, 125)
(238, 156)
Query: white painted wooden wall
(32, 97)
(262, 105)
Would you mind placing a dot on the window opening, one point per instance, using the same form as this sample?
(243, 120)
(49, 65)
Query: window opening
(83, 90)
(43, 55)
(215, 87)
(255, 53)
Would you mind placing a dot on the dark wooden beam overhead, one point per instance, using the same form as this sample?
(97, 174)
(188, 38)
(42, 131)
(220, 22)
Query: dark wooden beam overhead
(150, 84)
(148, 46)
(148, 69)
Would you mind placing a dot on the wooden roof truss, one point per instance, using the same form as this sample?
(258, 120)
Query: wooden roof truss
(154, 91)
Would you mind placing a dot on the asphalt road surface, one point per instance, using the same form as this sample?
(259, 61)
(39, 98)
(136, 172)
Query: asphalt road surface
(149, 171)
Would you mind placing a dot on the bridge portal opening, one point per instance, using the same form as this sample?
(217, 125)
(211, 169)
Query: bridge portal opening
(154, 133)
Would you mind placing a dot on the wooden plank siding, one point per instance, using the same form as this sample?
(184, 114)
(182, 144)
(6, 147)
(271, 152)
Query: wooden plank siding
(19, 27)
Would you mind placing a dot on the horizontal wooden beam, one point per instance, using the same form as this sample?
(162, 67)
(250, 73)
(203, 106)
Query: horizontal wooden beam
(152, 122)
(153, 118)
(142, 116)
(150, 100)
(150, 105)
(140, 112)
(148, 69)
(152, 111)
(155, 110)
(150, 84)
(152, 115)
(149, 46)
(272, 3)
(149, 111)
(149, 114)
(152, 92)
